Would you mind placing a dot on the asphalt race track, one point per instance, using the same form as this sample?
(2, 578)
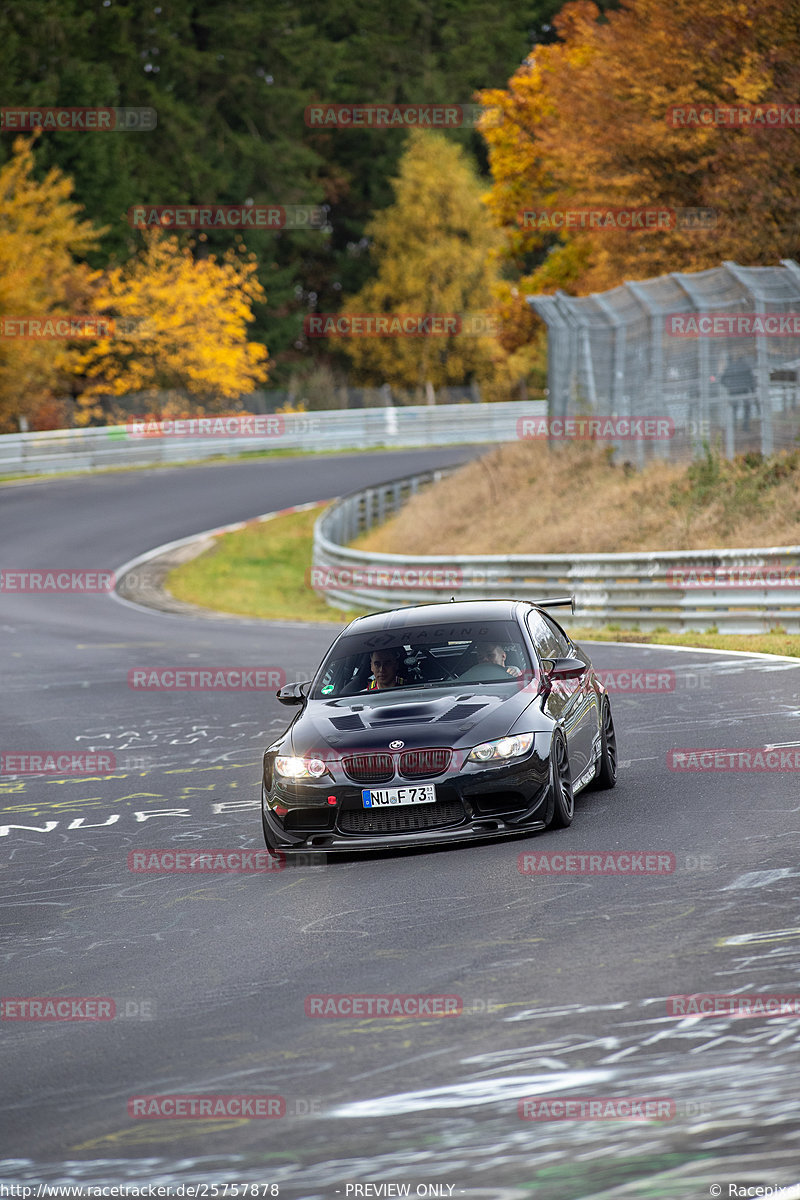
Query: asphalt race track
(564, 979)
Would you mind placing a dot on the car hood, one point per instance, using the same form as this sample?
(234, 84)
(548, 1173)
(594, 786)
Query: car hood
(424, 718)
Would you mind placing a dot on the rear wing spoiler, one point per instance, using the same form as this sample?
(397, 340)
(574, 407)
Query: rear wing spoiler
(556, 602)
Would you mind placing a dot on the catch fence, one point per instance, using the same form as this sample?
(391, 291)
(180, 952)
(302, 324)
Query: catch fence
(716, 352)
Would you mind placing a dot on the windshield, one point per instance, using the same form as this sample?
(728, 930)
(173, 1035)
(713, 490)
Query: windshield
(423, 656)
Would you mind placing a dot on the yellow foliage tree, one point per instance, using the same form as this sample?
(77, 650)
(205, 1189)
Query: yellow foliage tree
(40, 233)
(180, 329)
(434, 249)
(584, 124)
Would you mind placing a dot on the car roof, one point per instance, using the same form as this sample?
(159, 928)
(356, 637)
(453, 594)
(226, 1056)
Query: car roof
(424, 614)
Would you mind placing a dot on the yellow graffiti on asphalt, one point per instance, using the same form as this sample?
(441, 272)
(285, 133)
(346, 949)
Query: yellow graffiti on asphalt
(138, 773)
(34, 807)
(150, 1131)
(83, 779)
(141, 796)
(219, 767)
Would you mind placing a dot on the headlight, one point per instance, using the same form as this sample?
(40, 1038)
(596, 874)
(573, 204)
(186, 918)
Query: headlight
(501, 750)
(300, 768)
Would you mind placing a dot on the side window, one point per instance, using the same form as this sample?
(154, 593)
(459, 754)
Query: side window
(562, 641)
(547, 643)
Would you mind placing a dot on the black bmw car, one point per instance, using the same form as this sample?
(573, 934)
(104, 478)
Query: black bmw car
(438, 723)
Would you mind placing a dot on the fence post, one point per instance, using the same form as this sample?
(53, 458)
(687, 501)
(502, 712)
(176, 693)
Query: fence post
(655, 378)
(762, 363)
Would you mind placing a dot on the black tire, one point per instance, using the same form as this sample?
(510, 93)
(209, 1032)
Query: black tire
(606, 776)
(560, 785)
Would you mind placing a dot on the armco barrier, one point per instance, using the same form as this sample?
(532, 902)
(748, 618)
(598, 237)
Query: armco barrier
(737, 591)
(338, 429)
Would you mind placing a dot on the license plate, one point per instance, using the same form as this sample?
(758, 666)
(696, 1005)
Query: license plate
(384, 797)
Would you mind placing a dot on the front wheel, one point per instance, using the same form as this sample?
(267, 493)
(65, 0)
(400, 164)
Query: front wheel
(606, 776)
(561, 785)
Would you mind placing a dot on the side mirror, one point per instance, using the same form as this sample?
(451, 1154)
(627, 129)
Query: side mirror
(560, 668)
(294, 693)
(568, 668)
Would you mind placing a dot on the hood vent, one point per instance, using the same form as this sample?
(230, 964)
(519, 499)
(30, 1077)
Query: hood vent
(346, 723)
(460, 711)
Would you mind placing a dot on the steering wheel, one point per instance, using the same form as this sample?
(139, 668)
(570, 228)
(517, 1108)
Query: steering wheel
(438, 664)
(485, 672)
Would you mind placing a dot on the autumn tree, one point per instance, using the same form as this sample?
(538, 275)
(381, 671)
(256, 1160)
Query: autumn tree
(230, 83)
(180, 327)
(433, 253)
(584, 123)
(41, 234)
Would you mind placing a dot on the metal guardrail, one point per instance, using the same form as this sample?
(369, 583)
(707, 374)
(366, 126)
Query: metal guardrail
(736, 591)
(338, 429)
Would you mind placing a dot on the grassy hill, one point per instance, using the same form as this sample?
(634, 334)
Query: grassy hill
(527, 499)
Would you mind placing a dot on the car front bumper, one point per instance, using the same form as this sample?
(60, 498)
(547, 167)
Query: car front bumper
(328, 815)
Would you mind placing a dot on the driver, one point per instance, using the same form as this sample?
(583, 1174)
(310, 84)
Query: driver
(495, 652)
(385, 667)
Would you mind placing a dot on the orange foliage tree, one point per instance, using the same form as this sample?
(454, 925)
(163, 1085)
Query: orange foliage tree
(179, 332)
(40, 235)
(584, 124)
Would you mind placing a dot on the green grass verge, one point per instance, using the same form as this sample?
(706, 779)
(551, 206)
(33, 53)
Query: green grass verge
(262, 571)
(757, 643)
